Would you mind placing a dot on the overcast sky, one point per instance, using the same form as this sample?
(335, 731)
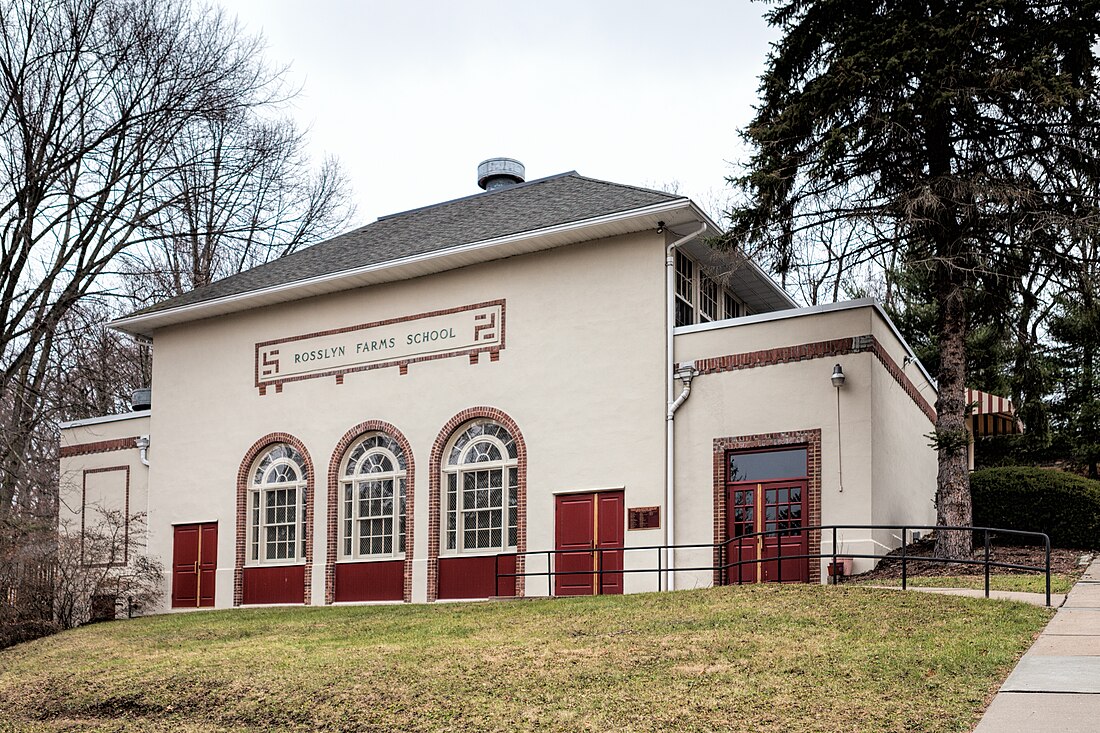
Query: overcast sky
(411, 96)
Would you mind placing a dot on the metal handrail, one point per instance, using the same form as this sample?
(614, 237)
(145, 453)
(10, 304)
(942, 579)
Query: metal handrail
(721, 549)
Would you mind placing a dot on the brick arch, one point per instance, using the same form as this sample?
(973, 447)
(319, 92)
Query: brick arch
(243, 476)
(435, 466)
(332, 524)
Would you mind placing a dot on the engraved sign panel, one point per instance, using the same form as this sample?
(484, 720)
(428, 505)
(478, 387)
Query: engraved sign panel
(643, 517)
(459, 331)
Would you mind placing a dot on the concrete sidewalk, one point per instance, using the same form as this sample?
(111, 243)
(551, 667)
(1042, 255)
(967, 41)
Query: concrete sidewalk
(1056, 685)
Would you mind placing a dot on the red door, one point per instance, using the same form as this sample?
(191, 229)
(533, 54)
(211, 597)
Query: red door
(589, 537)
(777, 508)
(194, 562)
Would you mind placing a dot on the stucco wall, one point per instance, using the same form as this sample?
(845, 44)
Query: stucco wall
(904, 465)
(581, 374)
(101, 471)
(772, 376)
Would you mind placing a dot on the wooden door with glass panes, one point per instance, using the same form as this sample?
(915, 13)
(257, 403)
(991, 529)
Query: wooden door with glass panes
(766, 517)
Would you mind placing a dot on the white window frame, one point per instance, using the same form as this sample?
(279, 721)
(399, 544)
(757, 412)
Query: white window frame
(366, 452)
(463, 460)
(286, 472)
(697, 282)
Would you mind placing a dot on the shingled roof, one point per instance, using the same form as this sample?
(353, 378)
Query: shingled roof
(547, 202)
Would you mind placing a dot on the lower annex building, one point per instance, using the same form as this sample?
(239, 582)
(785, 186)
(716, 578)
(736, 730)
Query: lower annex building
(441, 404)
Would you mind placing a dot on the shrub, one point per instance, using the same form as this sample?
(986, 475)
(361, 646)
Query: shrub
(14, 631)
(1064, 506)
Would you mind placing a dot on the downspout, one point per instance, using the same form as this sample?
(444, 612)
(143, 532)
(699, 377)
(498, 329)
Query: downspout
(672, 404)
(143, 447)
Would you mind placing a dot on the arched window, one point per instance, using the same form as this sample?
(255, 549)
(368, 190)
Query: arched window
(276, 501)
(372, 499)
(480, 479)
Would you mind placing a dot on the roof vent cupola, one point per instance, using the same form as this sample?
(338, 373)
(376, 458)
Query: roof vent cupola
(497, 173)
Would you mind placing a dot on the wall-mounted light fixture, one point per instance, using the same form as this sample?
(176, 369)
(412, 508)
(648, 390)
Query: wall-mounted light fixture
(838, 382)
(838, 376)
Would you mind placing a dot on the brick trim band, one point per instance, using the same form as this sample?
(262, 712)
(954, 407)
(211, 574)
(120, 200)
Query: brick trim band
(819, 350)
(333, 518)
(243, 474)
(811, 439)
(102, 446)
(435, 468)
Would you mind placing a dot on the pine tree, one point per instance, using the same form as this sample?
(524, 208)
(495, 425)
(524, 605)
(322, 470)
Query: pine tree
(948, 128)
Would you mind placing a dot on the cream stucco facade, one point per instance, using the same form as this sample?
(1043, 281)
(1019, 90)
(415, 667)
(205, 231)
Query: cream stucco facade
(577, 370)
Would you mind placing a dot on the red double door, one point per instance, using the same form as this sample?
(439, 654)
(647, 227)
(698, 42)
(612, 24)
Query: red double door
(589, 534)
(194, 562)
(778, 509)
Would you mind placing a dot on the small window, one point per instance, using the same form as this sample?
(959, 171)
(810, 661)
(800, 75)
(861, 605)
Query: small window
(277, 499)
(734, 309)
(480, 508)
(685, 290)
(708, 299)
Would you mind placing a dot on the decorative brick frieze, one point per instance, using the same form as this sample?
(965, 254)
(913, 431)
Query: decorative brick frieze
(818, 350)
(102, 446)
(333, 519)
(435, 466)
(809, 439)
(266, 369)
(244, 474)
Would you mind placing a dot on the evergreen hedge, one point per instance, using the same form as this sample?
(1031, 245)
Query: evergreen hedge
(1063, 505)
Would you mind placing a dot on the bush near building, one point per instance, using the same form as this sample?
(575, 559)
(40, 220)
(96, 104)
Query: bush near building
(1063, 505)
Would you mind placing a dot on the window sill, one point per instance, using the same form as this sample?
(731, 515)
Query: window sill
(360, 560)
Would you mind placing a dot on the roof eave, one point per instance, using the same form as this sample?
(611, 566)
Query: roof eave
(671, 212)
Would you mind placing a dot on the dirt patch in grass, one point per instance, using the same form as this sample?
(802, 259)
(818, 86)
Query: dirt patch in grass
(751, 658)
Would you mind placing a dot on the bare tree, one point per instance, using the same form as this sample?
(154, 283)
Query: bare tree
(130, 125)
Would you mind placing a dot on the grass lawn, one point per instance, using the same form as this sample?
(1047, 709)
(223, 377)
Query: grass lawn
(754, 658)
(1059, 583)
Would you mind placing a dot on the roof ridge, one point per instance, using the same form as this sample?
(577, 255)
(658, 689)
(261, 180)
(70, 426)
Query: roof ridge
(643, 189)
(525, 184)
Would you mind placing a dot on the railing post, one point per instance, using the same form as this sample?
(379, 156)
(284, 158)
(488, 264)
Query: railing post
(904, 562)
(986, 533)
(1046, 537)
(779, 556)
(660, 570)
(599, 570)
(496, 569)
(833, 566)
(549, 576)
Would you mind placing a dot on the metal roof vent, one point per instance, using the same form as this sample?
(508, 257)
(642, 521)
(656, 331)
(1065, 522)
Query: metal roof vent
(141, 399)
(496, 173)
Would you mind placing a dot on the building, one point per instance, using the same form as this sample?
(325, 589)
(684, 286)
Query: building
(429, 406)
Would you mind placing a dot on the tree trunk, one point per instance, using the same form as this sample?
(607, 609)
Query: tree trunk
(953, 507)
